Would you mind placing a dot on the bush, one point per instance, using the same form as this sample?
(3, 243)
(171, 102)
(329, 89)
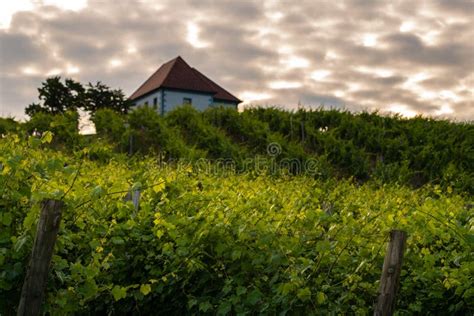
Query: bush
(111, 126)
(198, 133)
(8, 125)
(64, 127)
(149, 133)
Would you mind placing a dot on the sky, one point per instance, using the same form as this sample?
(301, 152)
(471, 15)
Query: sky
(410, 57)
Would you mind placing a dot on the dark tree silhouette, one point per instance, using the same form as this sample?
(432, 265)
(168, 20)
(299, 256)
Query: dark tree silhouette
(57, 97)
(100, 96)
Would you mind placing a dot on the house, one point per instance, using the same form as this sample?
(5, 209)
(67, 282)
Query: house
(176, 83)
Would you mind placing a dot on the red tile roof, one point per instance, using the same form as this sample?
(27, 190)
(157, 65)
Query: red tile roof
(177, 74)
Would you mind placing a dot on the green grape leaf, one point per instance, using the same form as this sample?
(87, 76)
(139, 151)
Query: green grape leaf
(6, 218)
(205, 306)
(320, 297)
(119, 292)
(145, 289)
(304, 294)
(47, 137)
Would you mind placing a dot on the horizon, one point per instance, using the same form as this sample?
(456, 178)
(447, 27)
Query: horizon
(407, 58)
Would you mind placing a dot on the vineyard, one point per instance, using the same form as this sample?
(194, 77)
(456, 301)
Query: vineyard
(224, 242)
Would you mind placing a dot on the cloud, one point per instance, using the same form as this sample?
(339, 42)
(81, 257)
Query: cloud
(409, 55)
(18, 50)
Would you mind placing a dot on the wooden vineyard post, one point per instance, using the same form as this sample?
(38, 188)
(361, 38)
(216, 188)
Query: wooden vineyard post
(36, 278)
(136, 199)
(389, 281)
(134, 196)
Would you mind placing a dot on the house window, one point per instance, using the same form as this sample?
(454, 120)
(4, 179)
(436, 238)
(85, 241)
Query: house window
(187, 101)
(146, 104)
(155, 103)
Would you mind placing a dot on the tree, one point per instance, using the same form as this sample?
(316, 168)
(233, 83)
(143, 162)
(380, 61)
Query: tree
(57, 97)
(100, 96)
(35, 108)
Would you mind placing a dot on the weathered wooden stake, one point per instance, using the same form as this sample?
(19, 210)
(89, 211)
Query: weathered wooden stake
(136, 199)
(134, 196)
(389, 281)
(36, 278)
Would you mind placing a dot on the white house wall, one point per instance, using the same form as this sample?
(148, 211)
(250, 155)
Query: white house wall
(172, 99)
(149, 98)
(175, 98)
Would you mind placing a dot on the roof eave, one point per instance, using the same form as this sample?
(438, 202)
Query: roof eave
(229, 100)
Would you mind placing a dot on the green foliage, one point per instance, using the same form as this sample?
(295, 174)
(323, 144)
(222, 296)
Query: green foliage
(109, 124)
(148, 133)
(414, 151)
(8, 125)
(196, 133)
(252, 134)
(100, 96)
(57, 97)
(39, 122)
(64, 126)
(225, 244)
(363, 146)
